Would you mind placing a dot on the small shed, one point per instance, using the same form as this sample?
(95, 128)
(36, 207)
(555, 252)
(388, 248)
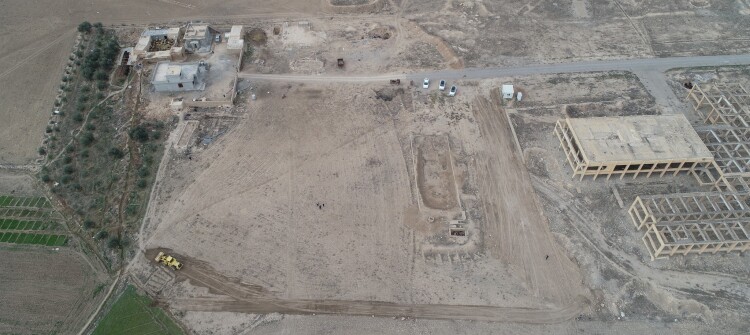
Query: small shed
(508, 91)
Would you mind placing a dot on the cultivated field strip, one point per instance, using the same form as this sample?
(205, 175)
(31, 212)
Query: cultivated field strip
(29, 220)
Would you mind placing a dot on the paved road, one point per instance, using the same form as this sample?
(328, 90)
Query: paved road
(637, 65)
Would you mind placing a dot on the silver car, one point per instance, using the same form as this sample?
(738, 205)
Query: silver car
(452, 92)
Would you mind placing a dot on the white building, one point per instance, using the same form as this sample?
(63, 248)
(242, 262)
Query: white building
(170, 77)
(508, 91)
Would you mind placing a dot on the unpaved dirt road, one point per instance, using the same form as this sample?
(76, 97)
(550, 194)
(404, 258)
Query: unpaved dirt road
(638, 65)
(385, 309)
(517, 232)
(252, 298)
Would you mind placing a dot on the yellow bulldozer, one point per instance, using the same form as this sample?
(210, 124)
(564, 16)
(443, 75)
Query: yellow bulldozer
(168, 261)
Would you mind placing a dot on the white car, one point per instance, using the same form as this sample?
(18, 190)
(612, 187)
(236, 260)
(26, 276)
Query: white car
(442, 85)
(453, 90)
(426, 83)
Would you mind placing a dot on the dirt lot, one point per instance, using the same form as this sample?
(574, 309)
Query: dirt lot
(332, 184)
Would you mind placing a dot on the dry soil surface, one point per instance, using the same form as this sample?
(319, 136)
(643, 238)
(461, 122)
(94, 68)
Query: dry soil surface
(46, 291)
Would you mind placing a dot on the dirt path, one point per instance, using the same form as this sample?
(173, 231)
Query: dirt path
(515, 230)
(253, 298)
(385, 309)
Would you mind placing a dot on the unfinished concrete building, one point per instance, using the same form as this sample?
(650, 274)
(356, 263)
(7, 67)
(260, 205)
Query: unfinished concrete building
(171, 77)
(693, 222)
(721, 103)
(632, 146)
(725, 110)
(158, 44)
(236, 41)
(198, 38)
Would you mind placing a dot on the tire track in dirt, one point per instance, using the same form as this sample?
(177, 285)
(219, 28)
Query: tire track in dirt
(39, 51)
(515, 229)
(252, 298)
(443, 48)
(386, 309)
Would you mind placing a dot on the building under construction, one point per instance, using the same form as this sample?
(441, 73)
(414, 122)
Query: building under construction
(644, 145)
(717, 154)
(684, 223)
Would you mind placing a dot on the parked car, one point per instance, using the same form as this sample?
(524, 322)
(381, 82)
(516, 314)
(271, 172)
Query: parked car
(442, 85)
(453, 90)
(426, 83)
(218, 38)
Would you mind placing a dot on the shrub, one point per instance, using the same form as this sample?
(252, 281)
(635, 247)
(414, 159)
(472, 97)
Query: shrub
(101, 85)
(78, 117)
(143, 171)
(68, 169)
(101, 75)
(114, 243)
(116, 153)
(66, 179)
(88, 224)
(85, 153)
(139, 133)
(142, 183)
(67, 159)
(46, 178)
(42, 151)
(87, 138)
(102, 234)
(84, 27)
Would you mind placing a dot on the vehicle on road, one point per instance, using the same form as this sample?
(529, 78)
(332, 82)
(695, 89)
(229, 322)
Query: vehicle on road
(453, 90)
(426, 83)
(442, 85)
(168, 261)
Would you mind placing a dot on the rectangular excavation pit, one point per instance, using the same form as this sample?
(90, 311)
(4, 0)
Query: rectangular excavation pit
(457, 232)
(434, 172)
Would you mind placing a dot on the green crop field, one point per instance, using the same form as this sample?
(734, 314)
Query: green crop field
(50, 240)
(10, 201)
(13, 224)
(28, 220)
(131, 314)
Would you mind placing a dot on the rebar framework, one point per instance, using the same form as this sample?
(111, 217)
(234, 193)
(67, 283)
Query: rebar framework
(721, 103)
(693, 222)
(663, 241)
(730, 148)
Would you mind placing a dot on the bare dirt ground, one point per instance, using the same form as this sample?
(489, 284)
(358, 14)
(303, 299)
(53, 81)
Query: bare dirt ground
(46, 291)
(332, 184)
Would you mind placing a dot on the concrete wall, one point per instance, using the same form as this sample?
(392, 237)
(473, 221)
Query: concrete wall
(174, 87)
